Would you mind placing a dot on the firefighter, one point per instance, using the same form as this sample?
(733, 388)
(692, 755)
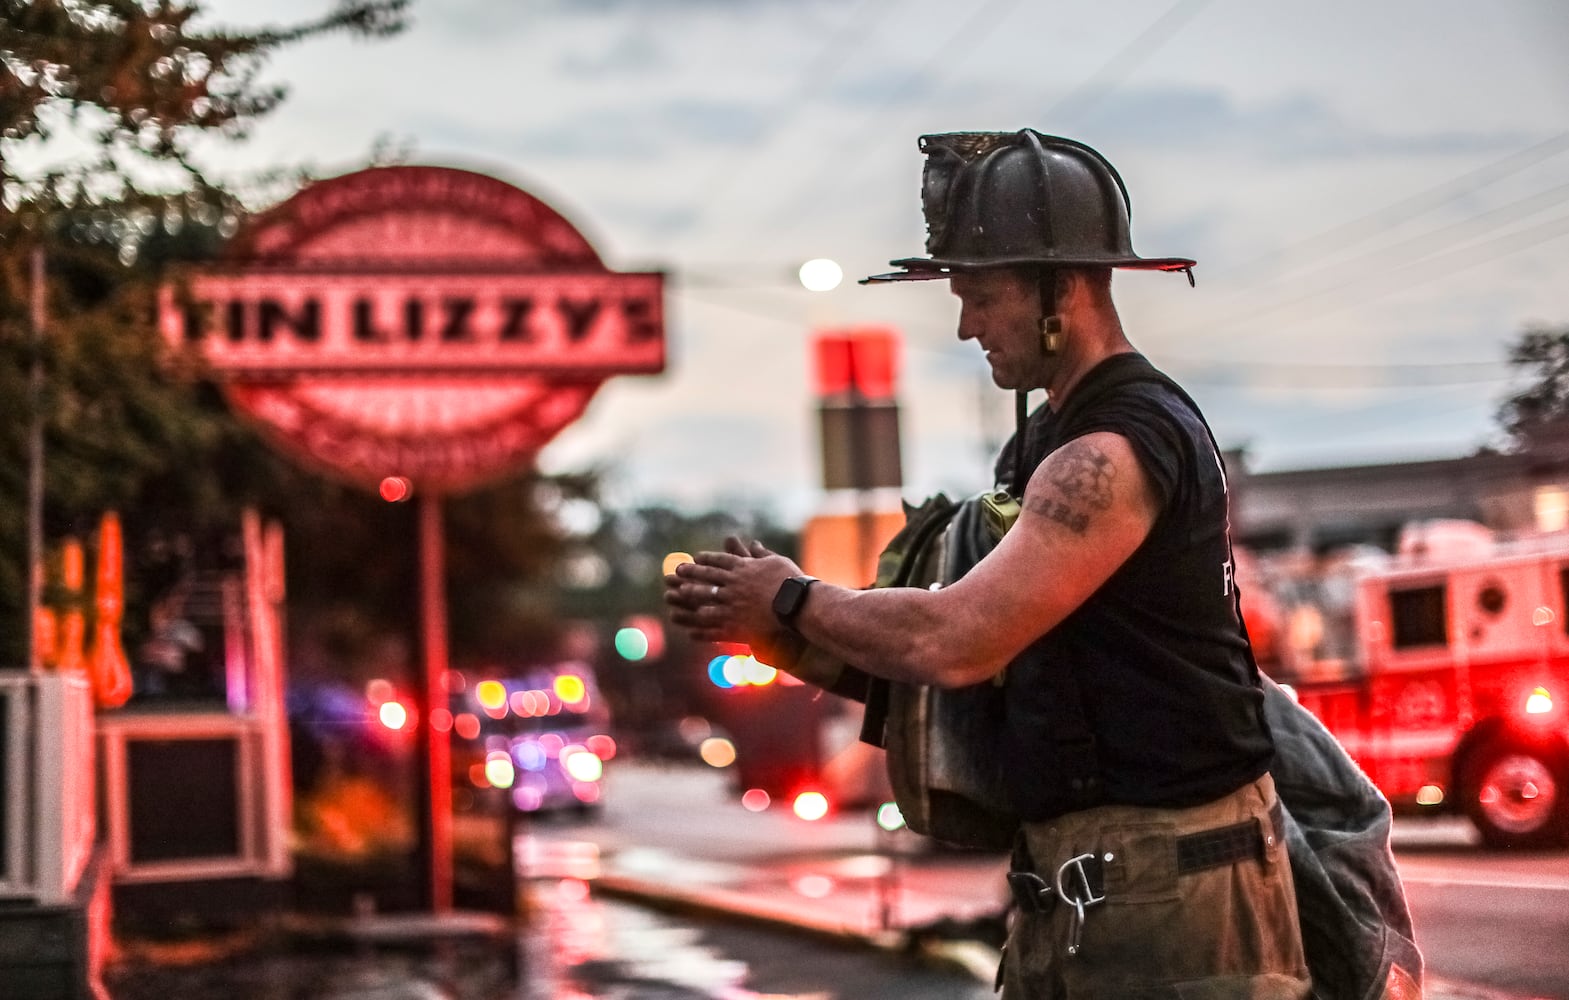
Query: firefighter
(1134, 749)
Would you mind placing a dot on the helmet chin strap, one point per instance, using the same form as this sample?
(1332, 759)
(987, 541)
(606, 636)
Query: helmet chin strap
(1051, 346)
(1051, 322)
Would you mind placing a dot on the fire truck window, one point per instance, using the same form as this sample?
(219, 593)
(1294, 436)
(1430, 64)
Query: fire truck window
(1563, 592)
(1418, 617)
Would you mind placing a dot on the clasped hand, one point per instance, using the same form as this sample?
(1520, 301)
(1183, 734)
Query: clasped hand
(728, 596)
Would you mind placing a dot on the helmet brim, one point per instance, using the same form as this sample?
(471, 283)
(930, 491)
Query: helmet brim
(932, 268)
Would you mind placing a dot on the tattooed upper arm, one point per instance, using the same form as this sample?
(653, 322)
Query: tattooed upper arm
(1079, 485)
(1088, 507)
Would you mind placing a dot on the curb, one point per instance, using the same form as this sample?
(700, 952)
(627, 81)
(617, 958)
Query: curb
(974, 957)
(732, 903)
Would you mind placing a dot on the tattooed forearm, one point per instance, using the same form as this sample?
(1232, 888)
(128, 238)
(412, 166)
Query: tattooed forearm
(1082, 475)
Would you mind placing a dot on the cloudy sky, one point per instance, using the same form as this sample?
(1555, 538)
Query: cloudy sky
(1375, 192)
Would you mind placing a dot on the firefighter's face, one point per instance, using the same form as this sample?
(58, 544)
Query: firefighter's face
(1001, 310)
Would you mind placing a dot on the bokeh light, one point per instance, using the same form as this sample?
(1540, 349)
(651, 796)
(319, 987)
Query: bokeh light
(675, 559)
(631, 643)
(1539, 702)
(530, 756)
(821, 275)
(889, 817)
(734, 670)
(757, 672)
(570, 688)
(811, 806)
(755, 799)
(499, 770)
(396, 489)
(490, 694)
(379, 690)
(582, 765)
(717, 751)
(393, 715)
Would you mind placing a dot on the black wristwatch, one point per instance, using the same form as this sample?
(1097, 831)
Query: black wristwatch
(791, 598)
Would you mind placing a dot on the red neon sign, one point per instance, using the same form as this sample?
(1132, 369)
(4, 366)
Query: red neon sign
(415, 321)
(300, 322)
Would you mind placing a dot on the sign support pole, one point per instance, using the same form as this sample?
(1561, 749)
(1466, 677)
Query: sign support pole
(35, 466)
(437, 821)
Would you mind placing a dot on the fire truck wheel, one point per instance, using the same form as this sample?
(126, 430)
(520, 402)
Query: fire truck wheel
(1517, 795)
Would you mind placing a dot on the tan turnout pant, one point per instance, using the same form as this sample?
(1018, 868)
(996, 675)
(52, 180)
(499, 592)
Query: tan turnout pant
(1221, 933)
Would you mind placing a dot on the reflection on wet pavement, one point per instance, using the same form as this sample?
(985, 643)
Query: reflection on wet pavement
(581, 948)
(573, 947)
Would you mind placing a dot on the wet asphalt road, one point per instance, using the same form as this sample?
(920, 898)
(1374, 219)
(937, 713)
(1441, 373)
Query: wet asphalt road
(577, 948)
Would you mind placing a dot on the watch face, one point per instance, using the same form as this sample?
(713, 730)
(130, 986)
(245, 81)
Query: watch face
(790, 596)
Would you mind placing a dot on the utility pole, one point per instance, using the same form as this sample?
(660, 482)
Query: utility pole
(35, 466)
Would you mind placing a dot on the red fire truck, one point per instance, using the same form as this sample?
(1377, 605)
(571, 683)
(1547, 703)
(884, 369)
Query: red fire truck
(1444, 671)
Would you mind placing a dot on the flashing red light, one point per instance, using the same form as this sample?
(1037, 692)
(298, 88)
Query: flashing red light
(396, 489)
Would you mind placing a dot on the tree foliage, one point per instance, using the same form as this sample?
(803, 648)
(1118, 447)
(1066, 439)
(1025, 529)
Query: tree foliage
(1541, 409)
(103, 109)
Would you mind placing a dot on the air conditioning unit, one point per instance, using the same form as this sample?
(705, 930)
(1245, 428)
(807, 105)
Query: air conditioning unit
(190, 797)
(47, 817)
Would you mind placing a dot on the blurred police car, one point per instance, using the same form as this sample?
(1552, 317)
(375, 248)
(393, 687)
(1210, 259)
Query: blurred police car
(540, 737)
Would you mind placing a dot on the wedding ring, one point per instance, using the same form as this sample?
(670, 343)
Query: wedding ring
(713, 591)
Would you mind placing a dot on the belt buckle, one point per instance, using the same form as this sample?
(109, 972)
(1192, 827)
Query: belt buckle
(1030, 891)
(1075, 865)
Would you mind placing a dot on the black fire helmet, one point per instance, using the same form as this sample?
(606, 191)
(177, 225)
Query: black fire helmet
(1021, 199)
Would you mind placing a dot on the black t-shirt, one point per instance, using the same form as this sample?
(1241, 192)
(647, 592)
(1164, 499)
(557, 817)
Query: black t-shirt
(1160, 658)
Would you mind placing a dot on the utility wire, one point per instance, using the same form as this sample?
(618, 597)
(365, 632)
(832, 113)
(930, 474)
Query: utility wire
(1355, 272)
(1125, 60)
(1093, 89)
(1384, 219)
(1439, 266)
(981, 22)
(814, 82)
(1341, 377)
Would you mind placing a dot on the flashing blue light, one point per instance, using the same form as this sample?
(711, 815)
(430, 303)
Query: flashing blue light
(716, 671)
(529, 755)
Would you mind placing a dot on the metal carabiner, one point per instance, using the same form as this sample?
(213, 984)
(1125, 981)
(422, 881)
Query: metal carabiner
(1089, 899)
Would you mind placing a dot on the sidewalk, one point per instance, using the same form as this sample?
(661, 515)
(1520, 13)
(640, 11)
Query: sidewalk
(885, 891)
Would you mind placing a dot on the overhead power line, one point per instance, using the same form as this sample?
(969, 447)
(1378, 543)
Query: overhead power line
(1124, 61)
(815, 80)
(1356, 272)
(981, 22)
(1384, 219)
(1342, 377)
(1094, 88)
